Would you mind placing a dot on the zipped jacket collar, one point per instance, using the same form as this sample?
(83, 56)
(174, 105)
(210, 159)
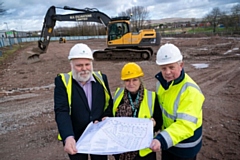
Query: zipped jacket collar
(166, 84)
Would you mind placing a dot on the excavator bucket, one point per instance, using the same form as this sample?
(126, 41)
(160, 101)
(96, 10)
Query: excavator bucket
(33, 55)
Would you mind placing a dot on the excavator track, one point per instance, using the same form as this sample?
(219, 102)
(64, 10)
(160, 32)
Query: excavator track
(122, 54)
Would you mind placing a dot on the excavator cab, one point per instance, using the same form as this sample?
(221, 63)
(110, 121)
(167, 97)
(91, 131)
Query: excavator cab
(117, 30)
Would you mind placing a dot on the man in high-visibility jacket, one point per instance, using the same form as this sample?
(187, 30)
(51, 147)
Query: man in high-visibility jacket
(80, 97)
(181, 101)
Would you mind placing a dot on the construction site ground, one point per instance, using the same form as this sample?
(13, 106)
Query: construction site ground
(27, 126)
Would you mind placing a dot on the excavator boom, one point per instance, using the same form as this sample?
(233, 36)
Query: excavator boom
(87, 14)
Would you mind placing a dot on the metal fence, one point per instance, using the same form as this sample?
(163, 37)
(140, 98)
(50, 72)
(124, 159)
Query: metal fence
(11, 41)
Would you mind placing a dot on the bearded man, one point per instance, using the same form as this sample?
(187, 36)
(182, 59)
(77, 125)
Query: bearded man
(80, 96)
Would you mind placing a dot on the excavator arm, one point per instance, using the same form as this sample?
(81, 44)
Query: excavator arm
(87, 15)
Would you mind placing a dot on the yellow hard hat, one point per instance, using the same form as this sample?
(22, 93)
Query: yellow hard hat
(131, 70)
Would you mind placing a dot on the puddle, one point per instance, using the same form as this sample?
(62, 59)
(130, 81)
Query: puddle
(200, 65)
(223, 44)
(234, 49)
(203, 49)
(229, 51)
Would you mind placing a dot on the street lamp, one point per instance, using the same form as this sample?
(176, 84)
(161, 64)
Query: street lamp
(6, 25)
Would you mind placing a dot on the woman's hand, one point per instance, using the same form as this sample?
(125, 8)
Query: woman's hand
(154, 122)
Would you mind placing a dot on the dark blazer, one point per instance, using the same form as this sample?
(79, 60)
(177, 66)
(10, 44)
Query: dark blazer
(81, 115)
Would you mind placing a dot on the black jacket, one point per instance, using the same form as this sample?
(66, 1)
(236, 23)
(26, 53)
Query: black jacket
(81, 115)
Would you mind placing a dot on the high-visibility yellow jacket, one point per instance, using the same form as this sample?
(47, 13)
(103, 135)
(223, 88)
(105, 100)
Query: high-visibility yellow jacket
(67, 80)
(181, 105)
(145, 110)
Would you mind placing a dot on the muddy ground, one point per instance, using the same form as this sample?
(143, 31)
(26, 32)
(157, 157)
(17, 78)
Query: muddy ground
(27, 127)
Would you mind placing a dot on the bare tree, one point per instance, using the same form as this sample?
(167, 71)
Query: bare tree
(213, 17)
(2, 11)
(225, 19)
(236, 15)
(139, 16)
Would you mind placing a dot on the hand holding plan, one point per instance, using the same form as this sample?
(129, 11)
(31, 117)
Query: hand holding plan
(116, 135)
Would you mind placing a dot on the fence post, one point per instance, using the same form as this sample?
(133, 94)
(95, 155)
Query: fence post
(10, 42)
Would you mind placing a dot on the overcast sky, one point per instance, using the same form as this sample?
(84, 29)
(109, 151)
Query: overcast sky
(28, 15)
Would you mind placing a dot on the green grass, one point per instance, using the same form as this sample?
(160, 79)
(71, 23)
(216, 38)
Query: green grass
(9, 51)
(192, 30)
(200, 29)
(206, 29)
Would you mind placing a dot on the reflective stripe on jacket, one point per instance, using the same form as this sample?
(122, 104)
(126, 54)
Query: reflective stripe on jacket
(67, 80)
(181, 105)
(145, 110)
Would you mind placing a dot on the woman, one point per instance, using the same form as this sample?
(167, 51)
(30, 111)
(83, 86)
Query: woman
(135, 101)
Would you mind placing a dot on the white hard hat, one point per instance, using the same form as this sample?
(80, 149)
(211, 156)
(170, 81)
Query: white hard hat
(168, 53)
(80, 50)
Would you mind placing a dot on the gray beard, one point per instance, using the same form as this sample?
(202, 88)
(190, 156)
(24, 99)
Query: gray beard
(77, 76)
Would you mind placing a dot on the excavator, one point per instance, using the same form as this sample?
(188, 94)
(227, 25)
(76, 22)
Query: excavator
(121, 42)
